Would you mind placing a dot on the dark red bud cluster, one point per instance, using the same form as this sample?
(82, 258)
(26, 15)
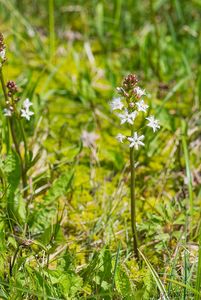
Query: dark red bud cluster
(130, 82)
(12, 88)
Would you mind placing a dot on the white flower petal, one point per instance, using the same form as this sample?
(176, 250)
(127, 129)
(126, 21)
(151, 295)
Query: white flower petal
(27, 103)
(139, 92)
(25, 113)
(153, 123)
(142, 106)
(7, 112)
(116, 104)
(3, 54)
(120, 137)
(135, 141)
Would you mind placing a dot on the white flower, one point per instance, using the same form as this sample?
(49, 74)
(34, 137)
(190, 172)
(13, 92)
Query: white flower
(136, 141)
(120, 137)
(27, 103)
(116, 104)
(26, 113)
(139, 92)
(3, 54)
(89, 138)
(128, 117)
(153, 123)
(7, 112)
(142, 106)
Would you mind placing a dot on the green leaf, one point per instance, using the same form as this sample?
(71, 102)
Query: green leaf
(122, 283)
(60, 186)
(13, 172)
(156, 278)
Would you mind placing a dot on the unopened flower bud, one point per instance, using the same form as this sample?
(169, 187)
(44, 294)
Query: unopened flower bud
(12, 87)
(131, 104)
(122, 92)
(129, 82)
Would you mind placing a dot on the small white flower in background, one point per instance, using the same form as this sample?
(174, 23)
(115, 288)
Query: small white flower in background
(27, 103)
(139, 92)
(136, 141)
(89, 138)
(7, 112)
(26, 113)
(127, 117)
(120, 137)
(3, 54)
(142, 106)
(153, 123)
(116, 104)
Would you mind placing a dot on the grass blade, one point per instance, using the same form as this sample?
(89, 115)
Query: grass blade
(51, 29)
(188, 170)
(198, 275)
(156, 278)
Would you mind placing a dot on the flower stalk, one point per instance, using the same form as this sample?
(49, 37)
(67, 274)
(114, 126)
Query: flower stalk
(14, 117)
(131, 104)
(133, 204)
(14, 137)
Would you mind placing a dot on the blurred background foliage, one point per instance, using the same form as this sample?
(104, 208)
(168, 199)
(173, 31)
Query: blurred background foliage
(68, 57)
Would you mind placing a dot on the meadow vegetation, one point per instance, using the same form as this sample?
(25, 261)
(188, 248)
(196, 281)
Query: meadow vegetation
(65, 220)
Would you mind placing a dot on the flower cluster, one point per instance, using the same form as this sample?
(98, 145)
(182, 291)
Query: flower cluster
(2, 50)
(25, 111)
(10, 91)
(131, 104)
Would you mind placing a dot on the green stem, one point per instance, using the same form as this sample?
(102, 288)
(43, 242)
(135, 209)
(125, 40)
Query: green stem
(133, 205)
(23, 171)
(3, 85)
(13, 134)
(157, 35)
(12, 263)
(7, 134)
(51, 29)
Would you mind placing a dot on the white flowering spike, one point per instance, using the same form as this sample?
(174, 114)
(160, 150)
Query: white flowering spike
(153, 123)
(139, 92)
(127, 117)
(142, 106)
(3, 54)
(26, 113)
(136, 141)
(120, 137)
(116, 104)
(27, 103)
(7, 112)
